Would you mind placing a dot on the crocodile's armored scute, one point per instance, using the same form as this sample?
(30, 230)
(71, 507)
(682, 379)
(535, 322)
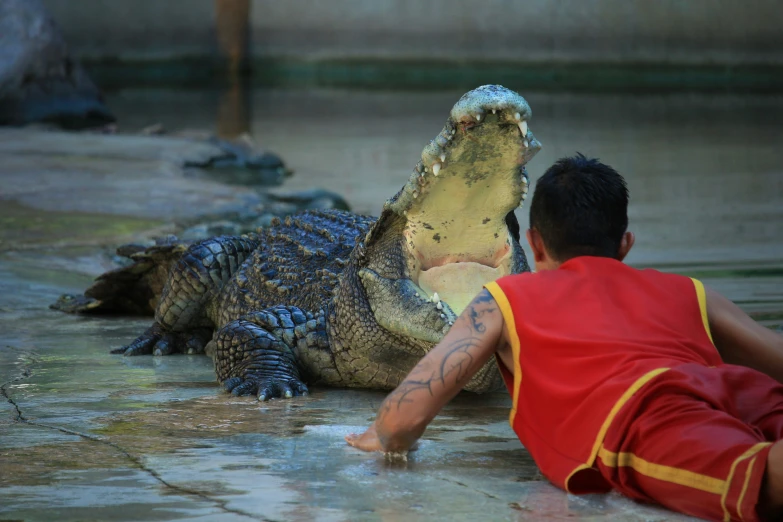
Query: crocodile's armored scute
(205, 265)
(330, 297)
(298, 262)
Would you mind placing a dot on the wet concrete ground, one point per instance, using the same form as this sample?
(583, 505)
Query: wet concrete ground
(85, 435)
(91, 436)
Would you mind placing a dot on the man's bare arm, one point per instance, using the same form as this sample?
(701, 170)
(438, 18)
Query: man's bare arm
(436, 379)
(741, 340)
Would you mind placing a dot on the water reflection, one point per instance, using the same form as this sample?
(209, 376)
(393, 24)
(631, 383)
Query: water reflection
(234, 110)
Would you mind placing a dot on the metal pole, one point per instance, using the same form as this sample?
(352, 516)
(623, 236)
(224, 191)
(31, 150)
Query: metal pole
(232, 27)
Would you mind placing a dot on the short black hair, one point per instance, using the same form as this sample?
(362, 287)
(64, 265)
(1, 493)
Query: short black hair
(580, 208)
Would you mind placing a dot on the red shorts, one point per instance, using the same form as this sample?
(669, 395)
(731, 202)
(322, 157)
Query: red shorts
(695, 439)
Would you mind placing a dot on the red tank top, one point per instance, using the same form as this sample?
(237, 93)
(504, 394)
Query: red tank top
(585, 338)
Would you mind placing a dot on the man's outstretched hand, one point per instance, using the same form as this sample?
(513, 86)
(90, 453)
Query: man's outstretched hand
(367, 441)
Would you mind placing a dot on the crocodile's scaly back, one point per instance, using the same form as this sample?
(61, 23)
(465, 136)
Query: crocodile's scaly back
(298, 262)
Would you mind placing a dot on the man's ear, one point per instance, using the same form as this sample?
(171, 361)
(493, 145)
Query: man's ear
(626, 243)
(536, 245)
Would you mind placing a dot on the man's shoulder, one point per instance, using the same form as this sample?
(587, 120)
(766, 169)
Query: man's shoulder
(515, 279)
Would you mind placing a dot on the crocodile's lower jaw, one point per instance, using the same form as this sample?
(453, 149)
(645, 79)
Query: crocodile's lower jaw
(458, 283)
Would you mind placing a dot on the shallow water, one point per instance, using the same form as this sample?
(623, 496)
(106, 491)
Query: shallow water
(148, 438)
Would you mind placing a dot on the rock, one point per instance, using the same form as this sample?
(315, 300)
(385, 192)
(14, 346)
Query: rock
(311, 199)
(156, 129)
(243, 162)
(39, 81)
(212, 229)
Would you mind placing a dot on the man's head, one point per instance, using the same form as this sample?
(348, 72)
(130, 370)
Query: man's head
(579, 208)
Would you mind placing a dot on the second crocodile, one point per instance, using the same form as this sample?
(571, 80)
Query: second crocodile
(334, 298)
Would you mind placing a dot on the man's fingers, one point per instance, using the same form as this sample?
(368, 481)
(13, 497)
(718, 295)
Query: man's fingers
(362, 442)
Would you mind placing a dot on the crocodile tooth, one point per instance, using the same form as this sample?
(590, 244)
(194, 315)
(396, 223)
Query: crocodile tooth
(517, 116)
(443, 316)
(478, 117)
(415, 195)
(436, 168)
(451, 323)
(425, 169)
(523, 128)
(439, 306)
(454, 131)
(435, 298)
(494, 111)
(526, 143)
(443, 156)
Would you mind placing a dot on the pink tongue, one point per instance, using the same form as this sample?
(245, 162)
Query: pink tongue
(453, 259)
(457, 283)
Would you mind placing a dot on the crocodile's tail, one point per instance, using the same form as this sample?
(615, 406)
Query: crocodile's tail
(130, 290)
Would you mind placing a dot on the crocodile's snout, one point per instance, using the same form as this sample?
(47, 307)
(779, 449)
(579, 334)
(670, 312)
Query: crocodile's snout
(480, 113)
(470, 177)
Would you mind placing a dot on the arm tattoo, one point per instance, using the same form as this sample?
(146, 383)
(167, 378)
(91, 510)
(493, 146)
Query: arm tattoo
(483, 297)
(400, 396)
(456, 362)
(478, 307)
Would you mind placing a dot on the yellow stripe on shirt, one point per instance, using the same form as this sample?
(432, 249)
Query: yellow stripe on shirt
(701, 295)
(508, 316)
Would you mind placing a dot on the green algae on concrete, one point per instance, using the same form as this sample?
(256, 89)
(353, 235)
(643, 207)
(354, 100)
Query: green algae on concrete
(39, 465)
(23, 227)
(129, 176)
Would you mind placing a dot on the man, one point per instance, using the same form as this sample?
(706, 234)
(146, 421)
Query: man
(635, 380)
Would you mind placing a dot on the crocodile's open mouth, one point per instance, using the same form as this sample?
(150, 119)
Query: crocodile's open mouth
(470, 178)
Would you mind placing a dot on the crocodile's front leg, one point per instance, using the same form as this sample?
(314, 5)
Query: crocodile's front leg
(270, 353)
(401, 307)
(181, 323)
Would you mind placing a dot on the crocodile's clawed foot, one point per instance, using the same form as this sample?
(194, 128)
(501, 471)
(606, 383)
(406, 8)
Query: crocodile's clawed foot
(266, 388)
(143, 344)
(157, 341)
(253, 355)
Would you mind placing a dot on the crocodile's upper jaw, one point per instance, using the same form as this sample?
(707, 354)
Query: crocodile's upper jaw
(455, 204)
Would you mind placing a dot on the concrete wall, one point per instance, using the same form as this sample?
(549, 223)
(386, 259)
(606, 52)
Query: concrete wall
(636, 31)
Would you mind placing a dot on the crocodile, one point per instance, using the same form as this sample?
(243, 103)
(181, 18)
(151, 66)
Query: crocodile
(340, 299)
